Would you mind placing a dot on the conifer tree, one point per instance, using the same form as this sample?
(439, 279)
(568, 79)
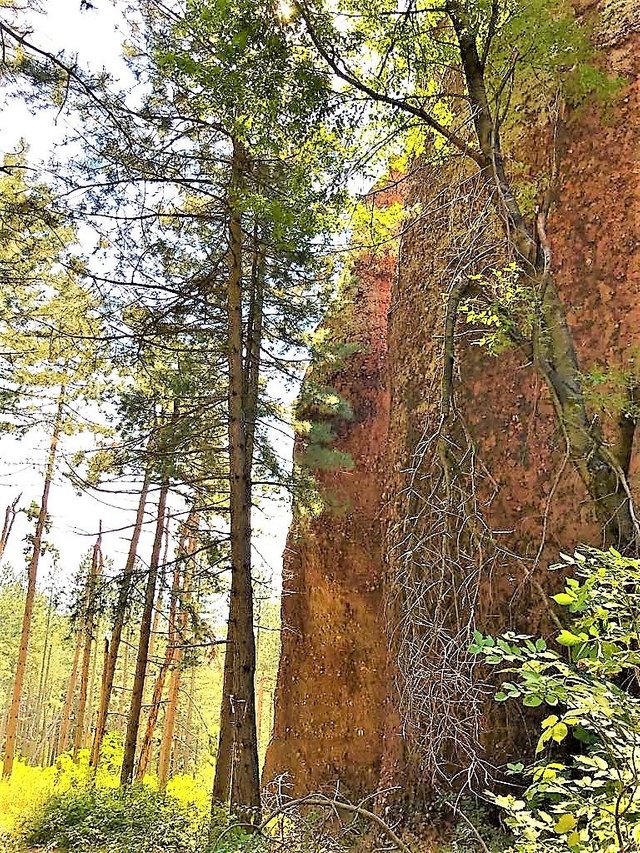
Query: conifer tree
(51, 356)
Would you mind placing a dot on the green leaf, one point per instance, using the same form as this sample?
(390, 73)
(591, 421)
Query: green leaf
(559, 732)
(563, 598)
(566, 638)
(565, 823)
(532, 701)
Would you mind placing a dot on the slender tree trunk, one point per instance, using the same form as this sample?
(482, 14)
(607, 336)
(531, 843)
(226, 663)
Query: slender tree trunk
(133, 721)
(173, 692)
(122, 699)
(41, 699)
(157, 609)
(238, 703)
(222, 778)
(168, 729)
(9, 519)
(43, 739)
(88, 630)
(253, 349)
(67, 708)
(92, 692)
(118, 626)
(260, 708)
(18, 681)
(158, 687)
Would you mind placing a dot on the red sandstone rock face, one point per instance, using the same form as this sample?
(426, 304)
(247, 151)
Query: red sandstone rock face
(333, 718)
(330, 698)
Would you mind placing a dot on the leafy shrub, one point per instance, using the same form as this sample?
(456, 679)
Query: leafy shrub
(472, 822)
(130, 820)
(138, 819)
(27, 788)
(588, 802)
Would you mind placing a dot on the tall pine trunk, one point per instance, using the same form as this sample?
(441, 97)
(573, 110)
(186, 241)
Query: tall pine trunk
(111, 654)
(133, 720)
(21, 666)
(237, 770)
(158, 687)
(175, 676)
(88, 631)
(40, 707)
(67, 708)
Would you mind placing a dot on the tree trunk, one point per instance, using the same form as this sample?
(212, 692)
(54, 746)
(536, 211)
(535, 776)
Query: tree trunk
(158, 607)
(133, 721)
(170, 651)
(222, 776)
(88, 630)
(260, 708)
(253, 349)
(186, 739)
(40, 707)
(122, 699)
(9, 518)
(175, 677)
(238, 703)
(43, 739)
(18, 681)
(168, 729)
(67, 708)
(92, 692)
(118, 626)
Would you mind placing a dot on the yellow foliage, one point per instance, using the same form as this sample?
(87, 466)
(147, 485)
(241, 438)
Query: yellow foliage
(27, 788)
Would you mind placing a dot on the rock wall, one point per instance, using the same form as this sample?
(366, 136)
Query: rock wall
(336, 699)
(331, 690)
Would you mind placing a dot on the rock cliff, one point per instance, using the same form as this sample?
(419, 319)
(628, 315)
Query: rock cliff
(339, 689)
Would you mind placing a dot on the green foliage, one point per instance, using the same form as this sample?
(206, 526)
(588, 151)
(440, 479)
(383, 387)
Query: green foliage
(472, 820)
(588, 802)
(130, 820)
(612, 390)
(376, 227)
(502, 305)
(555, 50)
(237, 61)
(50, 324)
(587, 82)
(83, 812)
(319, 413)
(535, 49)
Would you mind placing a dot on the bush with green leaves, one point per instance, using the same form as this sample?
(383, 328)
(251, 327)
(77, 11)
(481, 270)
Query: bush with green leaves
(582, 797)
(125, 820)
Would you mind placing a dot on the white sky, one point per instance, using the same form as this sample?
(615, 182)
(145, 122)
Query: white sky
(95, 35)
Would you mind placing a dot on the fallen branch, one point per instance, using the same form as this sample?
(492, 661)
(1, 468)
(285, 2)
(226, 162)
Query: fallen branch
(321, 801)
(458, 811)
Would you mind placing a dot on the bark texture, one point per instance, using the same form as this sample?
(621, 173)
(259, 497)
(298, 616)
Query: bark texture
(237, 773)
